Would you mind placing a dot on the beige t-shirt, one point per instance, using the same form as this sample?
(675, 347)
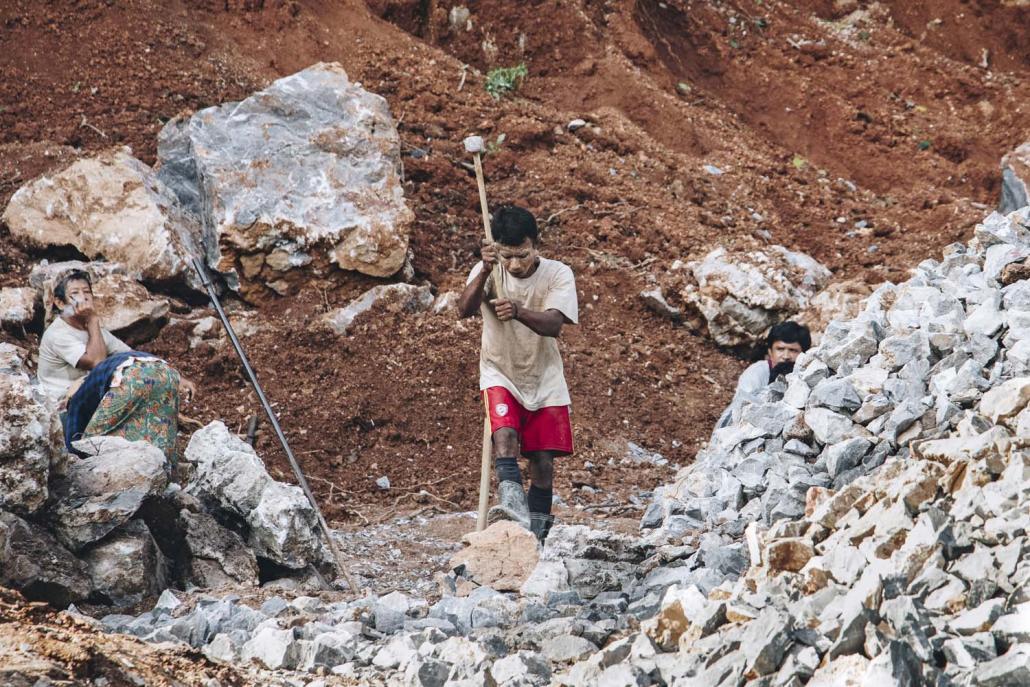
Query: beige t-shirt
(60, 349)
(513, 355)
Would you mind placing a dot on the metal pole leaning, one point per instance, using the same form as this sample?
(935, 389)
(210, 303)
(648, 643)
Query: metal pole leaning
(297, 472)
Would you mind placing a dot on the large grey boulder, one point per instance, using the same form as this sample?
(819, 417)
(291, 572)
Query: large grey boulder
(24, 431)
(34, 563)
(126, 566)
(227, 471)
(229, 474)
(304, 172)
(106, 489)
(740, 295)
(283, 527)
(110, 205)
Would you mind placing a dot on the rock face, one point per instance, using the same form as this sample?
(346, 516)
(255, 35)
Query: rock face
(124, 305)
(501, 557)
(18, 306)
(24, 436)
(738, 296)
(303, 172)
(127, 566)
(841, 300)
(32, 561)
(281, 522)
(217, 557)
(387, 298)
(1015, 179)
(106, 489)
(110, 206)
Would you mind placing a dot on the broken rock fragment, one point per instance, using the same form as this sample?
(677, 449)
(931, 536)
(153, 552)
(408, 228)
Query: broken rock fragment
(384, 299)
(501, 557)
(740, 295)
(110, 206)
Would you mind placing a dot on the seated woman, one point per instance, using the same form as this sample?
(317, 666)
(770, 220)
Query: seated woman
(101, 385)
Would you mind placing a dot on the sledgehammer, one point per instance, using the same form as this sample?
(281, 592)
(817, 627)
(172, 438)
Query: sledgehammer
(474, 145)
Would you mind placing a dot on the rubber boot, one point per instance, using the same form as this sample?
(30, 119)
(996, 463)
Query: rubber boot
(540, 525)
(512, 505)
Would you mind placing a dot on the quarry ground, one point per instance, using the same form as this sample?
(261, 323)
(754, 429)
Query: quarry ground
(865, 134)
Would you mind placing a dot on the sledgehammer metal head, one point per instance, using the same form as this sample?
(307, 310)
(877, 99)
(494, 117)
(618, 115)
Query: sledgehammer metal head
(474, 144)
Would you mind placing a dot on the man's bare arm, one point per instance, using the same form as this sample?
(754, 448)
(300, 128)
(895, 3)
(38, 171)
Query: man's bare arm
(546, 323)
(472, 297)
(96, 347)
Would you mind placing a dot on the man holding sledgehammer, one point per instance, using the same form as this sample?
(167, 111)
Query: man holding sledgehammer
(520, 368)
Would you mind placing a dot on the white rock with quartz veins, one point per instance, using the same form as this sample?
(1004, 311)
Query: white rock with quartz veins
(305, 171)
(24, 449)
(18, 306)
(109, 206)
(741, 295)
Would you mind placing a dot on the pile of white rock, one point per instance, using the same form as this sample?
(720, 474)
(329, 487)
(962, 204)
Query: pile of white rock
(865, 522)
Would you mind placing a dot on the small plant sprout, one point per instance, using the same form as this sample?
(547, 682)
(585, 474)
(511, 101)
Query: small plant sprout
(495, 145)
(504, 80)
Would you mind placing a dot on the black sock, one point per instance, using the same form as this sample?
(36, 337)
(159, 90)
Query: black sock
(539, 499)
(508, 471)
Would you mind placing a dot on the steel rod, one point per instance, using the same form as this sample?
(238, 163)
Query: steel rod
(297, 472)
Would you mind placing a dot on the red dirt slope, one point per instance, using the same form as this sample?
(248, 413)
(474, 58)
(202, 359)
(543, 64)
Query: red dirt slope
(866, 134)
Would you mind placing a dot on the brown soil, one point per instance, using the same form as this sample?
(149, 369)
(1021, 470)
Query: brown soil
(820, 114)
(37, 643)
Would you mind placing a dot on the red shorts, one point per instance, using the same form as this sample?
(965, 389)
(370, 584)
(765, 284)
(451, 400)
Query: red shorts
(546, 429)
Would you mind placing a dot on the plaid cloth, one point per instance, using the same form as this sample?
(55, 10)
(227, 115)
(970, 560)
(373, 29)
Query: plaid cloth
(84, 402)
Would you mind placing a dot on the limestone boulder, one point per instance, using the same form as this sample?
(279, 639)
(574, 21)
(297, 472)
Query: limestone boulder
(841, 300)
(34, 563)
(283, 527)
(127, 566)
(1015, 179)
(387, 299)
(18, 306)
(303, 173)
(106, 489)
(24, 436)
(501, 557)
(231, 476)
(740, 295)
(126, 308)
(1005, 401)
(109, 206)
(228, 473)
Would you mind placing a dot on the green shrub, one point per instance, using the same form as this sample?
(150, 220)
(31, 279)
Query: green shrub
(503, 80)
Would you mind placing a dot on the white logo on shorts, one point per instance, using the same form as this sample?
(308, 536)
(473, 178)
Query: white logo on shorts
(501, 409)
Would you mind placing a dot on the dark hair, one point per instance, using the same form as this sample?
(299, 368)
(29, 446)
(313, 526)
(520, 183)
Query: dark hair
(511, 225)
(61, 288)
(781, 370)
(789, 332)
